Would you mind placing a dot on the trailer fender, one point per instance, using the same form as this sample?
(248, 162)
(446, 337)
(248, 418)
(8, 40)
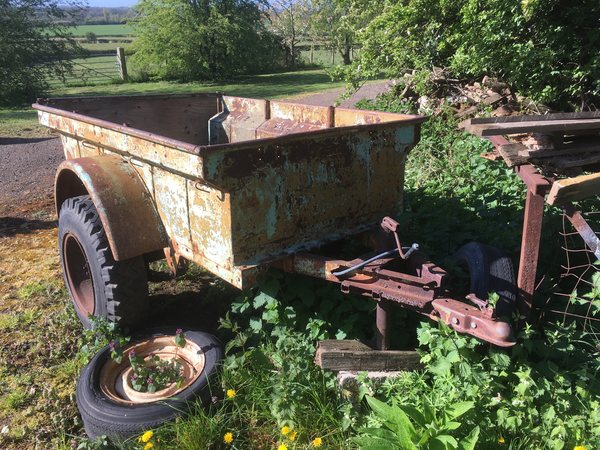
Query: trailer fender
(128, 214)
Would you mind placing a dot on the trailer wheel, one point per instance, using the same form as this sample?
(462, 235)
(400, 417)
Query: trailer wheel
(99, 285)
(490, 270)
(102, 398)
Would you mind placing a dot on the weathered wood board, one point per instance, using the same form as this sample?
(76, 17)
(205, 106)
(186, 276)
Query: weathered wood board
(354, 356)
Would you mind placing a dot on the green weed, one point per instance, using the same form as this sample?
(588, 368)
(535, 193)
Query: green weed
(13, 400)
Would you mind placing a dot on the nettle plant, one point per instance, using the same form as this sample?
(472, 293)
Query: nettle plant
(149, 373)
(152, 373)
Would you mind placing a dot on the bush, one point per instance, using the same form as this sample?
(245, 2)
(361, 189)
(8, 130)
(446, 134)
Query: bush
(186, 40)
(548, 49)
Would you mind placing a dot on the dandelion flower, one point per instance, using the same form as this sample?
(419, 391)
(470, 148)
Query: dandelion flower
(228, 438)
(317, 442)
(292, 436)
(285, 430)
(230, 393)
(282, 447)
(579, 447)
(148, 446)
(146, 436)
(501, 440)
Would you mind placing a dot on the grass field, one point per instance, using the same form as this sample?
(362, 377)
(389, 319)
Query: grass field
(103, 30)
(22, 122)
(106, 46)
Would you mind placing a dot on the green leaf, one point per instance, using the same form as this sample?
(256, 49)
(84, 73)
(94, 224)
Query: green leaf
(396, 420)
(458, 409)
(256, 324)
(381, 433)
(469, 442)
(373, 443)
(414, 414)
(449, 426)
(443, 442)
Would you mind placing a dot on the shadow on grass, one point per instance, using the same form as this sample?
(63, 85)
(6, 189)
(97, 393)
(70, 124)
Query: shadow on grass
(10, 226)
(18, 140)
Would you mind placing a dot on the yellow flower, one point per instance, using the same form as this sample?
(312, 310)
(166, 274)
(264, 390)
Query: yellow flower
(148, 446)
(230, 393)
(285, 430)
(317, 442)
(228, 438)
(282, 447)
(146, 436)
(501, 440)
(579, 447)
(292, 436)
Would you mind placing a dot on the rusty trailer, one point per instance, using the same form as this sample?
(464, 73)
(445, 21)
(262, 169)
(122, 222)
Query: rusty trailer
(238, 185)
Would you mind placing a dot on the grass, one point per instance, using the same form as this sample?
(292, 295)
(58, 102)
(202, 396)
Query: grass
(106, 46)
(22, 122)
(103, 30)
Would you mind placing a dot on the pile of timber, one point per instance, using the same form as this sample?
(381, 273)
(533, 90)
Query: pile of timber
(559, 145)
(465, 99)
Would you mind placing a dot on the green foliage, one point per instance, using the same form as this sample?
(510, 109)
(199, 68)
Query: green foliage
(547, 49)
(153, 374)
(34, 44)
(452, 194)
(101, 333)
(430, 430)
(188, 40)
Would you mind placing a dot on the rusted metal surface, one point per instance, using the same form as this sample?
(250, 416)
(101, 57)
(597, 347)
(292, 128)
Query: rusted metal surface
(585, 231)
(537, 187)
(530, 248)
(471, 320)
(125, 207)
(233, 206)
(416, 284)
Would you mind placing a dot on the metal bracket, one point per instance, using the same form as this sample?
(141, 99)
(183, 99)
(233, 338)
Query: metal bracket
(391, 226)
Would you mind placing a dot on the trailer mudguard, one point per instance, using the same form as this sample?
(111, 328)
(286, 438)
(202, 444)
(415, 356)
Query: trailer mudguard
(128, 214)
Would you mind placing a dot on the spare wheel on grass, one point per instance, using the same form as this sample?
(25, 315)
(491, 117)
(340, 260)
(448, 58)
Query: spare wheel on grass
(110, 406)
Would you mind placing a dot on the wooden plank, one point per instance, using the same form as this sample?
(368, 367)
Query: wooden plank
(354, 356)
(511, 153)
(573, 189)
(492, 99)
(567, 150)
(547, 126)
(535, 118)
(567, 162)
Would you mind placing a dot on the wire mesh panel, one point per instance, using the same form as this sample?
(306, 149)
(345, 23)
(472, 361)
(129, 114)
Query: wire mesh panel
(576, 294)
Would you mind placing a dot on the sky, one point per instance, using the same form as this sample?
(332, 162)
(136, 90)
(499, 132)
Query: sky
(111, 3)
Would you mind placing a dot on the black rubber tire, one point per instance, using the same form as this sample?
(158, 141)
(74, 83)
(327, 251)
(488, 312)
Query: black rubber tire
(490, 270)
(120, 288)
(102, 416)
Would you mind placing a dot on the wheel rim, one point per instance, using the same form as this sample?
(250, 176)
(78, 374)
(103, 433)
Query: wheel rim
(115, 380)
(79, 277)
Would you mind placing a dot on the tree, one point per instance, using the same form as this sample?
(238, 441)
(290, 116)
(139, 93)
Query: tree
(290, 20)
(331, 22)
(35, 44)
(547, 49)
(203, 39)
(91, 37)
